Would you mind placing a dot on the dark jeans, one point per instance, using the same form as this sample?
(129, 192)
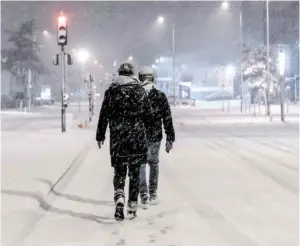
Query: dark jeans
(152, 160)
(119, 181)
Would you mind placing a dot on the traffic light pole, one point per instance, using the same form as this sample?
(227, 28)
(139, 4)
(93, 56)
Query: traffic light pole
(90, 107)
(282, 88)
(63, 108)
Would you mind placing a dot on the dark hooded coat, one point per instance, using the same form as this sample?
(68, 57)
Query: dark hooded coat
(125, 109)
(160, 114)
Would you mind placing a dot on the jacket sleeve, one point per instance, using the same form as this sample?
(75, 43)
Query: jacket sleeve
(146, 111)
(167, 119)
(103, 118)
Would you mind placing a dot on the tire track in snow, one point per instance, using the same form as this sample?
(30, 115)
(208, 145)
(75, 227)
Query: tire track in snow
(251, 161)
(214, 218)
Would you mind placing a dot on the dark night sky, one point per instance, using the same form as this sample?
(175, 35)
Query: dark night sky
(114, 30)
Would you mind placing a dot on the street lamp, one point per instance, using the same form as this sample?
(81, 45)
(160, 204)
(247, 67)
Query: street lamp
(161, 20)
(83, 56)
(230, 71)
(46, 33)
(96, 62)
(225, 5)
(161, 59)
(130, 58)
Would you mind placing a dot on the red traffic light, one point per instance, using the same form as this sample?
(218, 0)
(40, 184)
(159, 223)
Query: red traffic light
(62, 36)
(62, 21)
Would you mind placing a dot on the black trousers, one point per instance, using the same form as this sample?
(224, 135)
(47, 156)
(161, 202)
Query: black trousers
(119, 181)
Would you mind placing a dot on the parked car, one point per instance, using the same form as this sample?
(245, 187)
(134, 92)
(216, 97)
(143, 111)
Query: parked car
(218, 96)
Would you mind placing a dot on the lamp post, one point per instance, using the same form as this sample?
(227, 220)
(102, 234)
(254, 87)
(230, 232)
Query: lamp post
(230, 73)
(225, 7)
(161, 20)
(281, 61)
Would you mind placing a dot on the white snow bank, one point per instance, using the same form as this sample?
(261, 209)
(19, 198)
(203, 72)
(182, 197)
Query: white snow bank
(20, 113)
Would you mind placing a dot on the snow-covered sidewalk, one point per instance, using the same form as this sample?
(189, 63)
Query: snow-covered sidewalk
(27, 158)
(211, 197)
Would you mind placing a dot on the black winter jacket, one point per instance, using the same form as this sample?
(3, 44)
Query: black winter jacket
(160, 113)
(125, 108)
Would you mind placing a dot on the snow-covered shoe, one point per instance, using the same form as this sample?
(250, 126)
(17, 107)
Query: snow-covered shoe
(144, 204)
(119, 213)
(153, 200)
(131, 215)
(132, 207)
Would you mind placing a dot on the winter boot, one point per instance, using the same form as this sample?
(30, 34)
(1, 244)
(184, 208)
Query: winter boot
(144, 203)
(132, 207)
(153, 200)
(119, 213)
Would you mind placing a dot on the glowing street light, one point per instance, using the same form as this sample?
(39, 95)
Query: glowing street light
(101, 66)
(160, 19)
(157, 61)
(96, 62)
(153, 66)
(161, 59)
(115, 63)
(225, 5)
(130, 58)
(83, 55)
(230, 71)
(46, 33)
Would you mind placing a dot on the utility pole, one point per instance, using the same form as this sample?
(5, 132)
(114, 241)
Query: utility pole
(281, 59)
(29, 89)
(241, 57)
(173, 64)
(63, 78)
(223, 91)
(90, 94)
(268, 59)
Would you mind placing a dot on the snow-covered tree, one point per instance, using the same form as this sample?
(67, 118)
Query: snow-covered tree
(22, 54)
(255, 70)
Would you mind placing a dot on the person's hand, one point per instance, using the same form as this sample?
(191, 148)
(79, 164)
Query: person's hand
(169, 146)
(100, 143)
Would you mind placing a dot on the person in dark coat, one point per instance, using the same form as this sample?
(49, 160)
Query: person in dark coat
(160, 113)
(125, 109)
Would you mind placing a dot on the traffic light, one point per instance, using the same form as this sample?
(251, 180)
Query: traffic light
(62, 34)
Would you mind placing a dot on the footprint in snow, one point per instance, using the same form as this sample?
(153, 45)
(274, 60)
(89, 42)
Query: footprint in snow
(121, 242)
(152, 239)
(165, 229)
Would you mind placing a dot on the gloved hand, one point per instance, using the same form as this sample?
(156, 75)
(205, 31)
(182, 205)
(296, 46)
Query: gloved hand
(100, 143)
(169, 146)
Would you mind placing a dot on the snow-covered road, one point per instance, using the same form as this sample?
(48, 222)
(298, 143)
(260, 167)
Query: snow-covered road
(222, 185)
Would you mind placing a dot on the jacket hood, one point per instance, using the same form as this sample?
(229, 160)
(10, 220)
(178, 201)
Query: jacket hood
(125, 80)
(148, 85)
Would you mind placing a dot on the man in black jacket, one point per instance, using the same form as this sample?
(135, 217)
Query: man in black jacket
(125, 109)
(160, 114)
